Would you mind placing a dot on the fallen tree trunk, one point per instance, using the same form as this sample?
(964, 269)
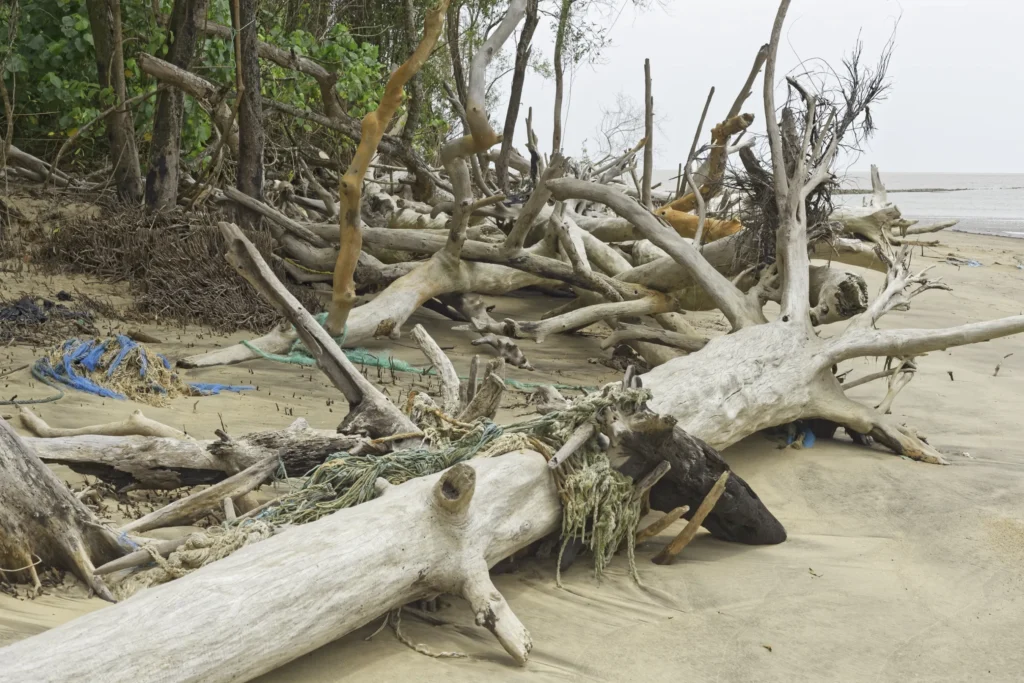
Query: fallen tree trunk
(319, 581)
(42, 523)
(163, 463)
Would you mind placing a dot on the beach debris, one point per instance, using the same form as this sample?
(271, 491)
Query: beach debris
(118, 368)
(1000, 364)
(686, 535)
(136, 424)
(662, 523)
(143, 337)
(32, 319)
(958, 261)
(376, 525)
(508, 349)
(160, 462)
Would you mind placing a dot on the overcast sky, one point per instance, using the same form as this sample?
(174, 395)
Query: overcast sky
(957, 73)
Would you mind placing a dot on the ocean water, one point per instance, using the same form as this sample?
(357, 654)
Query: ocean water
(990, 203)
(987, 203)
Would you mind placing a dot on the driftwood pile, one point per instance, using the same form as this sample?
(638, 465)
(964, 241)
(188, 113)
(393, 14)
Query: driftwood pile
(449, 537)
(628, 256)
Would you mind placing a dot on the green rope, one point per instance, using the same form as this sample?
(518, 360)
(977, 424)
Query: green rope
(344, 480)
(600, 506)
(35, 401)
(298, 354)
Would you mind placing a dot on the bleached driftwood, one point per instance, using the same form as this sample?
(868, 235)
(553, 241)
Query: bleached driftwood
(322, 579)
(42, 523)
(686, 535)
(197, 505)
(548, 399)
(159, 462)
(652, 334)
(487, 397)
(445, 370)
(508, 349)
(662, 523)
(880, 221)
(135, 424)
(772, 373)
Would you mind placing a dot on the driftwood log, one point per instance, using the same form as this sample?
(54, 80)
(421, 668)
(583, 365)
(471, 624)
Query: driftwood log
(165, 463)
(42, 523)
(314, 583)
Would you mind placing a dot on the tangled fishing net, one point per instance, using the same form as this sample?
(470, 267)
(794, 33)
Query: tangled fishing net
(199, 549)
(40, 321)
(118, 367)
(601, 507)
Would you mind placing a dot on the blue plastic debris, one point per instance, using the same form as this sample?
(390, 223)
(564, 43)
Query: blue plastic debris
(90, 366)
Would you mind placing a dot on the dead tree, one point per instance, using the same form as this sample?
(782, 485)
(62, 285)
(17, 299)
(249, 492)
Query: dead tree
(764, 373)
(801, 384)
(770, 373)
(105, 21)
(563, 23)
(164, 156)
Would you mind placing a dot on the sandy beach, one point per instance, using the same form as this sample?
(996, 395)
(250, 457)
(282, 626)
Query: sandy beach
(894, 570)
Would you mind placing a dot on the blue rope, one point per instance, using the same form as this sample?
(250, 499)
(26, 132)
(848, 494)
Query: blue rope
(77, 355)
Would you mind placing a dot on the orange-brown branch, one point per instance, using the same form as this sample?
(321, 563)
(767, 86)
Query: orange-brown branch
(350, 188)
(720, 136)
(685, 224)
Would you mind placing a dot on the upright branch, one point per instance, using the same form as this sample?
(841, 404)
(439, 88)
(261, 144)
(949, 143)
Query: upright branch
(162, 178)
(747, 89)
(412, 114)
(251, 137)
(105, 21)
(563, 21)
(523, 51)
(677, 214)
(712, 170)
(453, 48)
(481, 136)
(645, 193)
(350, 187)
(796, 175)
